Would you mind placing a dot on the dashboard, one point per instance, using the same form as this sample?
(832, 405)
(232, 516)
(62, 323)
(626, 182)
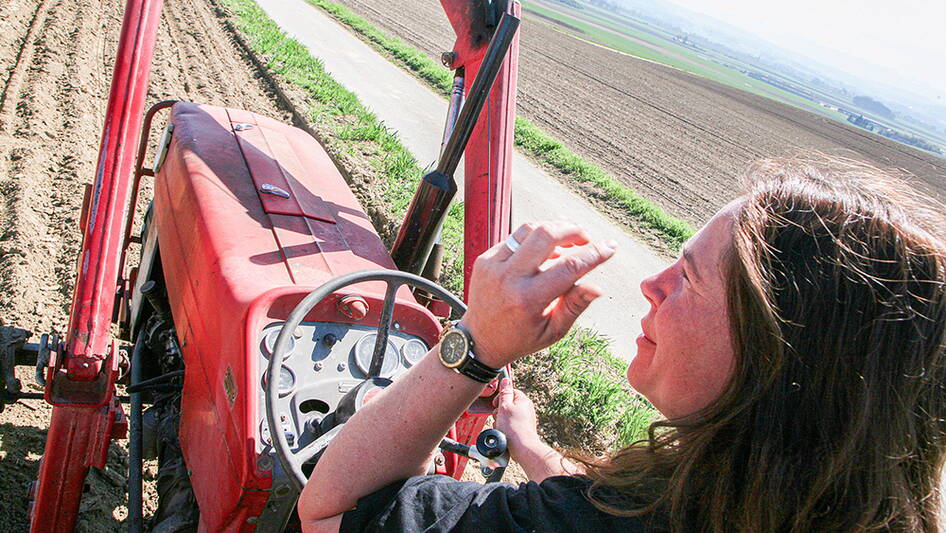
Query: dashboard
(325, 361)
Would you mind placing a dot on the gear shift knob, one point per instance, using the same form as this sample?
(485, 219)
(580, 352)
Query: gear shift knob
(491, 443)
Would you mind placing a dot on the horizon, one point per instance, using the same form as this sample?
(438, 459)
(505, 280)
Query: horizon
(899, 46)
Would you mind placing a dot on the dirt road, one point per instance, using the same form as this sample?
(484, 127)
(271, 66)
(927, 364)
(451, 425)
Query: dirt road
(678, 139)
(55, 67)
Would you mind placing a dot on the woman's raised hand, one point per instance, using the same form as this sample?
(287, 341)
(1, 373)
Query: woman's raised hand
(523, 301)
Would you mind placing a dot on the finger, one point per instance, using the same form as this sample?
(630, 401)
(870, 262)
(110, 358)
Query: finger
(502, 252)
(562, 275)
(506, 390)
(504, 395)
(572, 304)
(542, 241)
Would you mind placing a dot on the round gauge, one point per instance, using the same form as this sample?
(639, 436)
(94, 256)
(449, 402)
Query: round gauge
(413, 351)
(364, 350)
(269, 342)
(287, 380)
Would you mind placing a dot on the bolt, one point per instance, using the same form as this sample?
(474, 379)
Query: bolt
(252, 520)
(342, 367)
(297, 333)
(317, 366)
(189, 472)
(397, 326)
(448, 58)
(264, 463)
(282, 490)
(439, 460)
(329, 340)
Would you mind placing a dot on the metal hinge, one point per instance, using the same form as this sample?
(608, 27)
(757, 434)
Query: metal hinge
(163, 144)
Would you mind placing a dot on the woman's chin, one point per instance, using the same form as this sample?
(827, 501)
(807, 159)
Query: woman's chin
(637, 370)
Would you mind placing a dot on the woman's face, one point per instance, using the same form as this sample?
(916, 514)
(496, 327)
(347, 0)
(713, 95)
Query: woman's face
(685, 356)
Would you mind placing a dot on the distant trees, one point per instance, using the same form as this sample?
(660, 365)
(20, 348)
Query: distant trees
(571, 3)
(869, 104)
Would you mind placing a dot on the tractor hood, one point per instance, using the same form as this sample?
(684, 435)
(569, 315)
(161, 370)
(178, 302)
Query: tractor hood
(250, 215)
(256, 204)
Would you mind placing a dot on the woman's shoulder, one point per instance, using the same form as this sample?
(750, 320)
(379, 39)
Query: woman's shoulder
(441, 504)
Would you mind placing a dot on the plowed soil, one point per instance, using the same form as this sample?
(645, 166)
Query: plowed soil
(56, 58)
(678, 139)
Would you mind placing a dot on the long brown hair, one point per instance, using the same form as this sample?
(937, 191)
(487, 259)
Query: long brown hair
(834, 417)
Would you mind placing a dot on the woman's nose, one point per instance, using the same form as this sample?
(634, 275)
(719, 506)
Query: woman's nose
(650, 288)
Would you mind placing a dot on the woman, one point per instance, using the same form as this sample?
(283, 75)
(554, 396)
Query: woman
(796, 350)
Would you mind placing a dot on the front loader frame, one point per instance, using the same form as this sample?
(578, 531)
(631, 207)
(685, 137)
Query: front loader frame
(82, 371)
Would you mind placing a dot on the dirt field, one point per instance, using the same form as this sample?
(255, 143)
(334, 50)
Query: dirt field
(55, 67)
(678, 139)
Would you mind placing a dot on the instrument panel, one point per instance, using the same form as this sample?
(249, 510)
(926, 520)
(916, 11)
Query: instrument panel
(325, 360)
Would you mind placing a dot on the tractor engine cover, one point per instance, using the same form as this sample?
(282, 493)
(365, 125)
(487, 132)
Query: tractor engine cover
(250, 216)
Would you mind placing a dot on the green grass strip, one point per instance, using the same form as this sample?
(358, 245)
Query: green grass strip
(528, 137)
(352, 129)
(594, 390)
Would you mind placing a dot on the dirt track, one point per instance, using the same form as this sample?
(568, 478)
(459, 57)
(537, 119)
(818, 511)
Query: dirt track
(55, 67)
(678, 139)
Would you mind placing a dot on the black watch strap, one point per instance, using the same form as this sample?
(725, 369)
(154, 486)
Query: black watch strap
(472, 368)
(477, 371)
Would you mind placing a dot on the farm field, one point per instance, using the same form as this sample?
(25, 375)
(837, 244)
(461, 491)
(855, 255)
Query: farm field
(678, 139)
(625, 33)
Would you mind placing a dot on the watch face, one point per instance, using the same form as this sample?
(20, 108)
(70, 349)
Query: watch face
(453, 349)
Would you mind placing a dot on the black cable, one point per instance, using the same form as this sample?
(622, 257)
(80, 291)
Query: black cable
(148, 383)
(135, 452)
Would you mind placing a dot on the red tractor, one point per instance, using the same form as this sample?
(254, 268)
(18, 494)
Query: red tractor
(264, 309)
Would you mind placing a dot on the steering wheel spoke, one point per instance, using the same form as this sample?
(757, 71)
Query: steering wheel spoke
(303, 456)
(384, 326)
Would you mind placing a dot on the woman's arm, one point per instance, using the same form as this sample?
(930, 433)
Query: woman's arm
(514, 309)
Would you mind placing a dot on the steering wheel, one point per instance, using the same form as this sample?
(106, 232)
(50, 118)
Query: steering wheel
(292, 461)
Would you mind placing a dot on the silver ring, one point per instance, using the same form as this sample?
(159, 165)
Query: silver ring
(512, 243)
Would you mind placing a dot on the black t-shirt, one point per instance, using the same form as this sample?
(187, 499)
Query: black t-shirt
(435, 504)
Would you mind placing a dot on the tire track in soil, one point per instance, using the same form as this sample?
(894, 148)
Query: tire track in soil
(23, 56)
(56, 60)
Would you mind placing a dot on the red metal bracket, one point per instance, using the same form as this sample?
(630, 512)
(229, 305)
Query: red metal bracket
(474, 22)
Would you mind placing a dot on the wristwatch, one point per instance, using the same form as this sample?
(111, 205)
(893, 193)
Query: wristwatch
(457, 352)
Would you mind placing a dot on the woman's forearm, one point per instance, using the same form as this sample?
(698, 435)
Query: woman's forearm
(539, 461)
(391, 438)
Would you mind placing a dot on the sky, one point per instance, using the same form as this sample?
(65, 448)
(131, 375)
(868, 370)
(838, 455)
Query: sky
(897, 42)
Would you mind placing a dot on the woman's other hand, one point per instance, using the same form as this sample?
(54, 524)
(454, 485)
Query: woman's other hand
(515, 416)
(522, 302)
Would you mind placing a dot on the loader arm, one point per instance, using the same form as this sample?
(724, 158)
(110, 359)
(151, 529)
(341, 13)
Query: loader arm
(81, 376)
